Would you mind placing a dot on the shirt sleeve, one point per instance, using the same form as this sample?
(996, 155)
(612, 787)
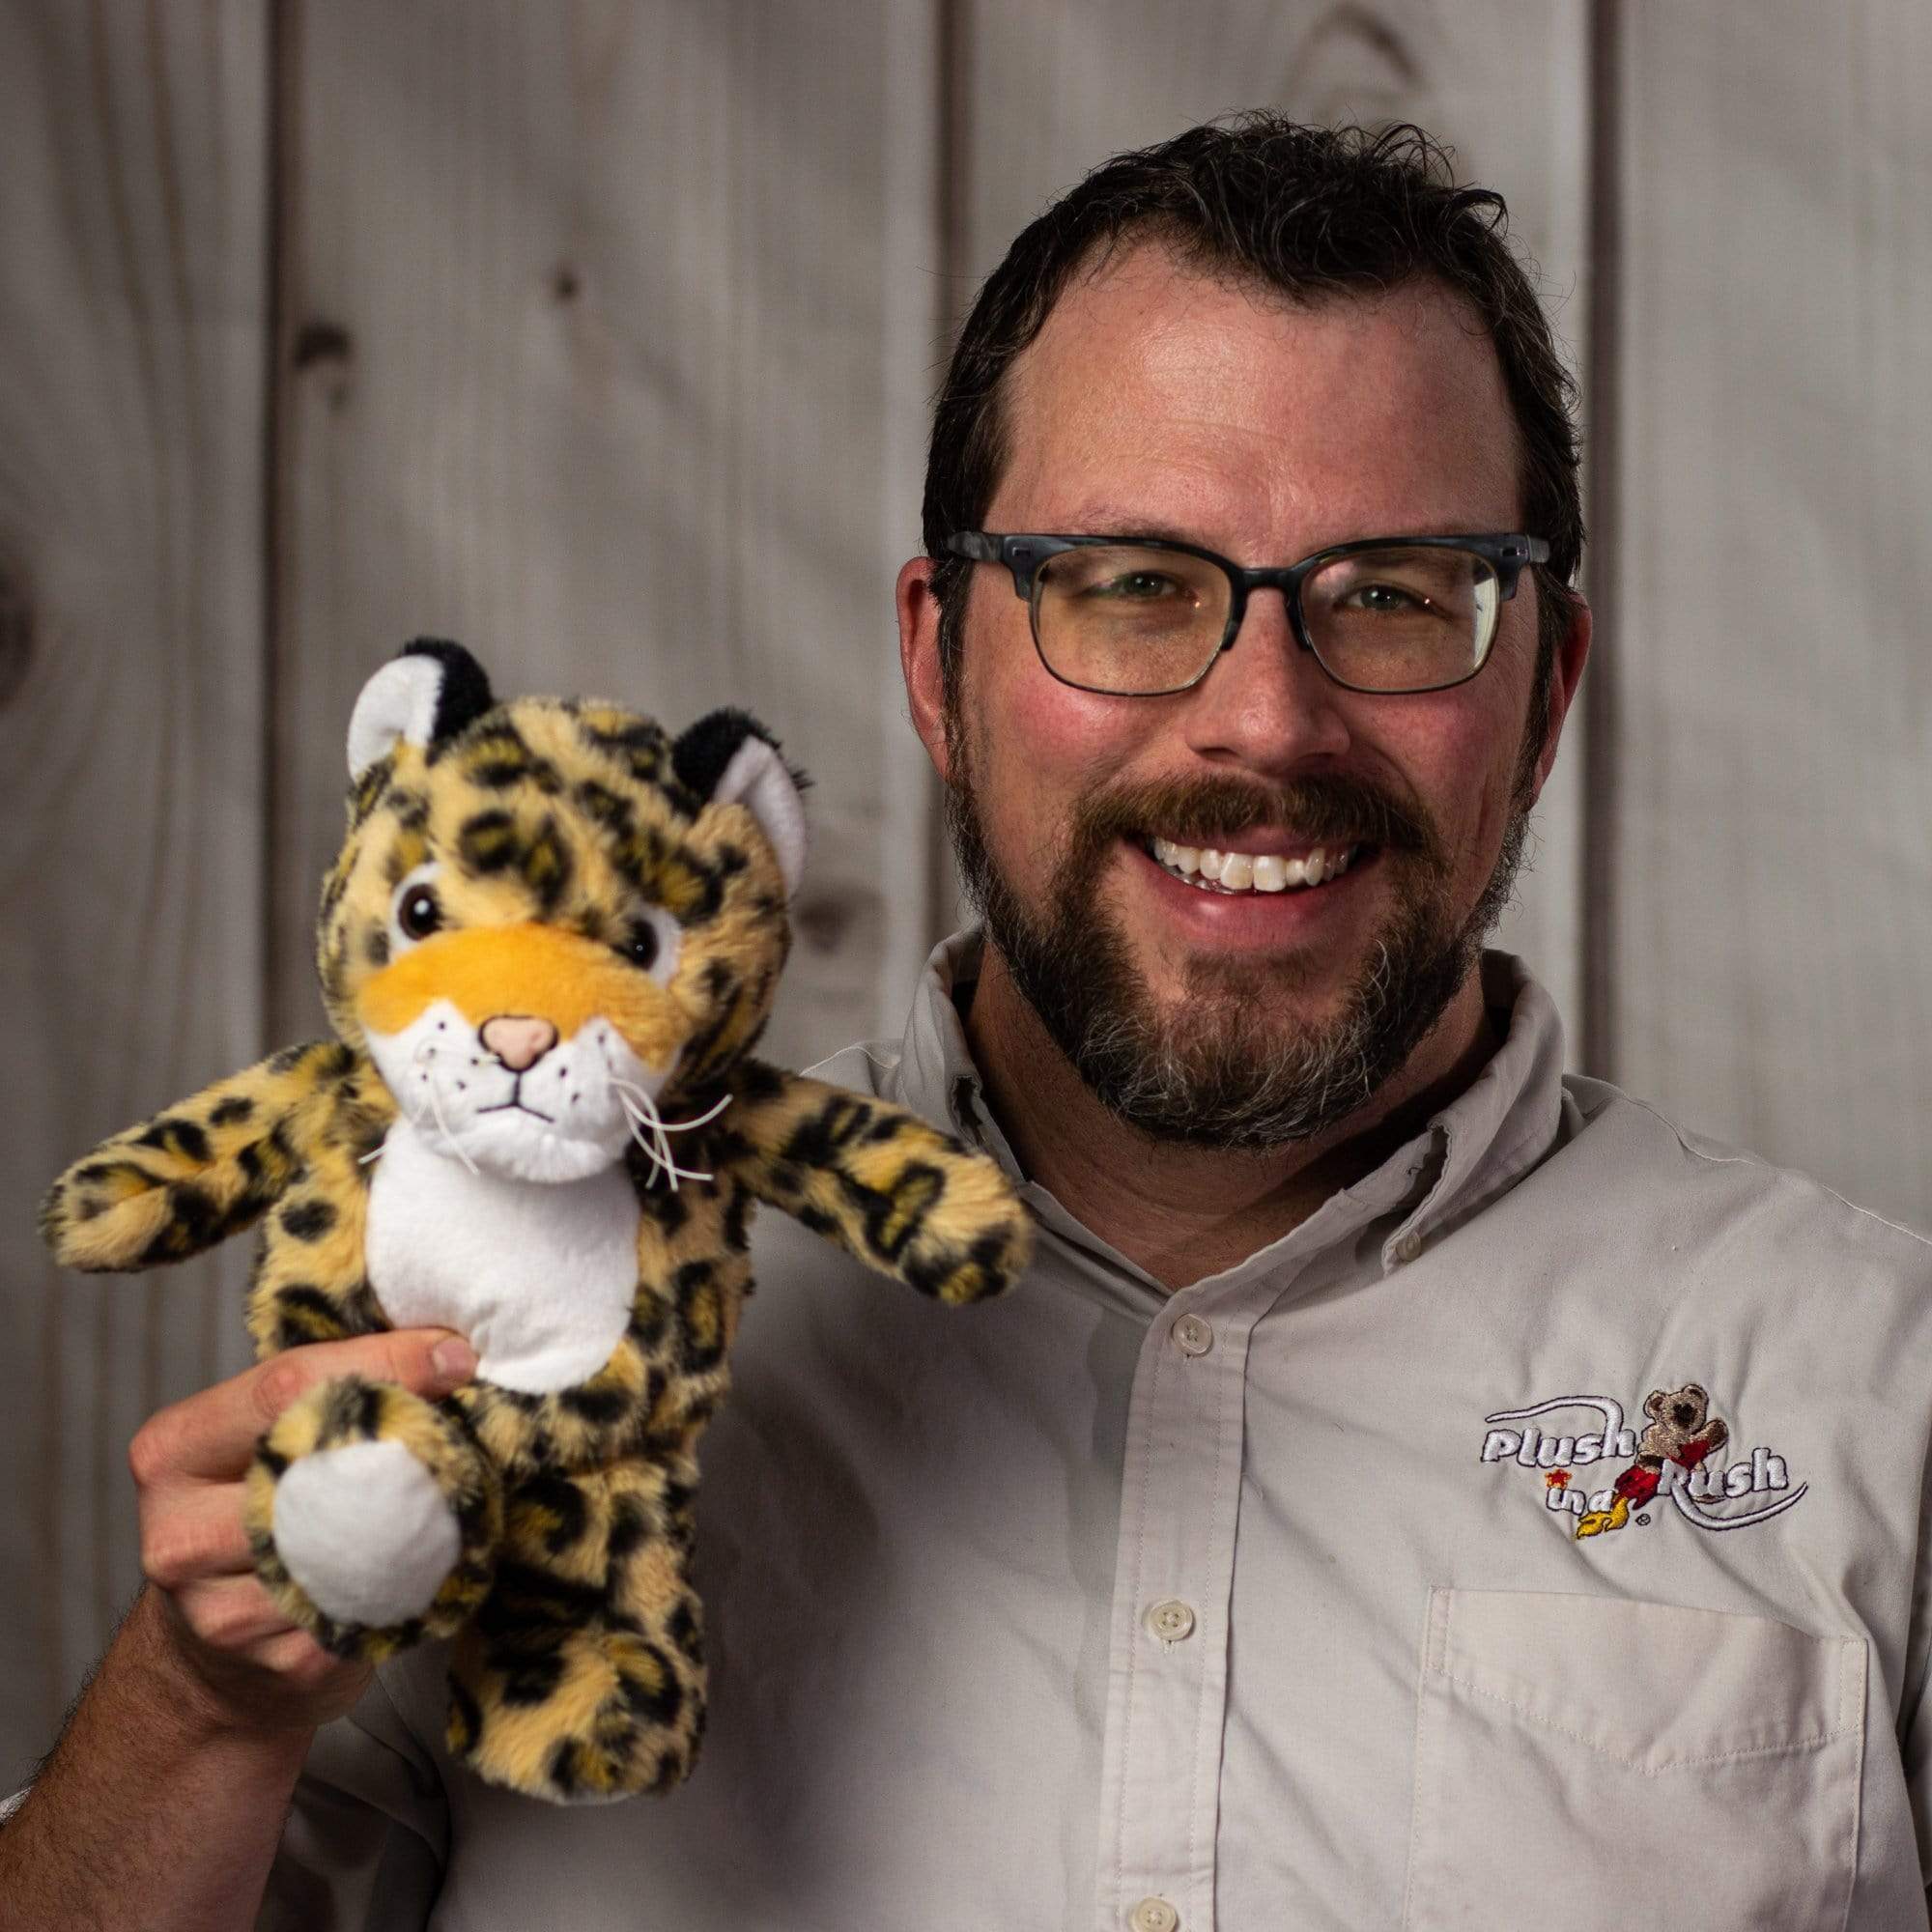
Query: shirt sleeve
(1915, 1713)
(368, 1830)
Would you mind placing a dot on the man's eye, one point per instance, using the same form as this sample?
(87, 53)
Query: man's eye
(1389, 597)
(1137, 587)
(420, 913)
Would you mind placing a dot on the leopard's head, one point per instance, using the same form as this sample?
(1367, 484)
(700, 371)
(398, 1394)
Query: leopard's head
(551, 921)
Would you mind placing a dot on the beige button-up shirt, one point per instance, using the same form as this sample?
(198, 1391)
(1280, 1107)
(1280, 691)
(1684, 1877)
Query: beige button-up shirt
(1536, 1534)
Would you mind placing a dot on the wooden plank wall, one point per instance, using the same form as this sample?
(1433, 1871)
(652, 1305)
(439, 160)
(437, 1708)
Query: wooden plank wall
(133, 176)
(601, 337)
(1774, 766)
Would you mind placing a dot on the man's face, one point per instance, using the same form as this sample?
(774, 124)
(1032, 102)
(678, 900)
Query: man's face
(1155, 402)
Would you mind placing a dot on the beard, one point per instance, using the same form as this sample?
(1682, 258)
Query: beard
(1228, 1065)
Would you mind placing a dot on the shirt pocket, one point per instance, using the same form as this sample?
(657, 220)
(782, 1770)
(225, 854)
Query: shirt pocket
(1593, 1756)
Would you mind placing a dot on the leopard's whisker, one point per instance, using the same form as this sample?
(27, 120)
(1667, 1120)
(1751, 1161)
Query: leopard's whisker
(658, 1148)
(672, 1126)
(436, 1104)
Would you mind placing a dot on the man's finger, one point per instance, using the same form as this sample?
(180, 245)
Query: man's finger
(192, 1532)
(211, 1436)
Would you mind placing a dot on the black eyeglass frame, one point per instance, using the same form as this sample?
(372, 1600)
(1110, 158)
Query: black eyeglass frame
(1024, 553)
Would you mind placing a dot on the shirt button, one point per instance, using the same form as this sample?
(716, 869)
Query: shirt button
(1193, 1336)
(1409, 1247)
(1154, 1915)
(1170, 1621)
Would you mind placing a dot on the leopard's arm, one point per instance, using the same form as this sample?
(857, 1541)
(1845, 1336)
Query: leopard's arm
(904, 1197)
(198, 1172)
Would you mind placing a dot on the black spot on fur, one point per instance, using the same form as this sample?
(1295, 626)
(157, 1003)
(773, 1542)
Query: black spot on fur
(604, 806)
(894, 1215)
(546, 866)
(657, 1703)
(526, 1598)
(683, 1629)
(304, 1314)
(226, 1113)
(410, 805)
(563, 1501)
(738, 1221)
(814, 1141)
(466, 1717)
(599, 1408)
(308, 1220)
(649, 1318)
(376, 947)
(194, 1223)
(488, 842)
(701, 1318)
(631, 1528)
(174, 1135)
(757, 1081)
(365, 790)
(530, 1677)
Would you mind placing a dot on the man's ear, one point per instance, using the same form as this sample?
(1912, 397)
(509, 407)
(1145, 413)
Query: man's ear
(1565, 675)
(918, 659)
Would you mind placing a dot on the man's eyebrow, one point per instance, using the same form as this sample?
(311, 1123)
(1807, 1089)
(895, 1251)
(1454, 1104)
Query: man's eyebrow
(1106, 521)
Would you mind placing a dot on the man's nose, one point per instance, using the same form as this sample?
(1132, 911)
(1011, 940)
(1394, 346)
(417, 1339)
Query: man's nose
(1264, 699)
(517, 1039)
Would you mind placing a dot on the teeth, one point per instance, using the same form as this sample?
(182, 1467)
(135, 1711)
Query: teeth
(1253, 871)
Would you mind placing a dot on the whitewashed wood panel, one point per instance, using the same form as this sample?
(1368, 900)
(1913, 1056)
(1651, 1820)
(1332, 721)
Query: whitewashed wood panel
(1054, 92)
(133, 175)
(590, 336)
(1775, 860)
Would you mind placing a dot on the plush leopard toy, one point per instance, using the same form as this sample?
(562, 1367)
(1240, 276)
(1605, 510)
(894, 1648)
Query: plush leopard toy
(547, 947)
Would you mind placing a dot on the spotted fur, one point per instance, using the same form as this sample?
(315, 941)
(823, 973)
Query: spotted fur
(577, 1668)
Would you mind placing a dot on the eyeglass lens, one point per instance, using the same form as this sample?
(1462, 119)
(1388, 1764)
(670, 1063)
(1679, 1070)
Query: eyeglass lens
(1135, 622)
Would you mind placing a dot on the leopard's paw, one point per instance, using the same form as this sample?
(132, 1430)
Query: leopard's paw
(373, 1517)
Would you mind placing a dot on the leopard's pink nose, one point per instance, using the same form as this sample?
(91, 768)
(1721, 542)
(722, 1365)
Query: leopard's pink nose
(518, 1041)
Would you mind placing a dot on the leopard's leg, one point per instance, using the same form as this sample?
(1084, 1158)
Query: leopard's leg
(581, 1678)
(374, 1516)
(201, 1170)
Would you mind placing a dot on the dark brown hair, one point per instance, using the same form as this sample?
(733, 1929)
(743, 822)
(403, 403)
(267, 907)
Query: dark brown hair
(1315, 212)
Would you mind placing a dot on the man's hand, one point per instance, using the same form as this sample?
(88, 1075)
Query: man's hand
(208, 1620)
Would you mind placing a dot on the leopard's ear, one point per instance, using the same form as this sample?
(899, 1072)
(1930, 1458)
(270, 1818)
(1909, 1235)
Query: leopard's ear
(728, 757)
(431, 688)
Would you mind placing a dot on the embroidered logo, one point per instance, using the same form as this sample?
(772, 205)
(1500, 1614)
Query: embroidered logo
(1674, 1457)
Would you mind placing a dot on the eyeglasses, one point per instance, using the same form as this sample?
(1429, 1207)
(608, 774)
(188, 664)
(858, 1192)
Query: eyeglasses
(1145, 617)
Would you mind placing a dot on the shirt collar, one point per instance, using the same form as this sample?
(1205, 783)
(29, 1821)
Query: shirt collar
(1472, 1150)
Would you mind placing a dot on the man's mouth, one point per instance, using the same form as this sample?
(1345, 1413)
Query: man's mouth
(1210, 869)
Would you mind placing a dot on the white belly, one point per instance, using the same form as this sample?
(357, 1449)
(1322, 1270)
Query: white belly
(539, 1277)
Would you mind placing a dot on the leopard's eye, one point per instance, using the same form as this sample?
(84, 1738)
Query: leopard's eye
(419, 912)
(652, 943)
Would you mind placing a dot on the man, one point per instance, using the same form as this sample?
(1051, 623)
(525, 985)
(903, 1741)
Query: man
(1410, 1484)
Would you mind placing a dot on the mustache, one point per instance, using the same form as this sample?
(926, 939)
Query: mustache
(1321, 810)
